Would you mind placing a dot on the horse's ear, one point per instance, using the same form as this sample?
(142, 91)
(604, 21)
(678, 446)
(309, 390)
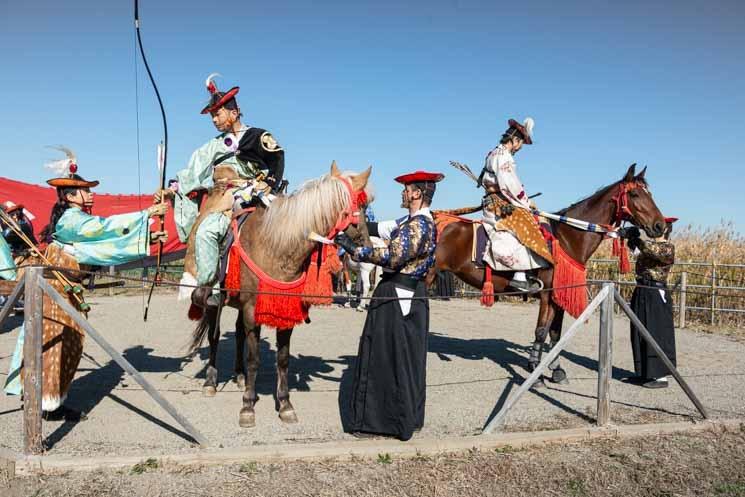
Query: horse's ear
(334, 170)
(360, 181)
(640, 176)
(630, 173)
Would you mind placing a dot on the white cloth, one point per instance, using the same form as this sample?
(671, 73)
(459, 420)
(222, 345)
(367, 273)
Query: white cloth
(504, 252)
(501, 171)
(386, 228)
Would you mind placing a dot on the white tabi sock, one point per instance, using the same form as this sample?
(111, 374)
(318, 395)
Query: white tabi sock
(519, 276)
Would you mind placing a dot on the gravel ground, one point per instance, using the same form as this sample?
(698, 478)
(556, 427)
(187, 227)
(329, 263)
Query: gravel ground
(476, 356)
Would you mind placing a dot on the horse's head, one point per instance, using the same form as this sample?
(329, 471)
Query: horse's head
(360, 190)
(634, 203)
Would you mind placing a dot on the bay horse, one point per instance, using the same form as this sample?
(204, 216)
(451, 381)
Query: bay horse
(626, 200)
(276, 240)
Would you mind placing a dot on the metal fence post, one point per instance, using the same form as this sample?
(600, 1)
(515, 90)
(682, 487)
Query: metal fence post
(605, 355)
(713, 291)
(32, 365)
(683, 288)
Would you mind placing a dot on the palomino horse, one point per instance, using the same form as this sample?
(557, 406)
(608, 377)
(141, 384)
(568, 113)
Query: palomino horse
(628, 199)
(276, 240)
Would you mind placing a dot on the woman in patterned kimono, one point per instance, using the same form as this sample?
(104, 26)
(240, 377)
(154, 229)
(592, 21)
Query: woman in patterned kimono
(76, 237)
(389, 391)
(653, 304)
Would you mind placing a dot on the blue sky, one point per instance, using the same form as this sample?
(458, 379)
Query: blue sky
(399, 85)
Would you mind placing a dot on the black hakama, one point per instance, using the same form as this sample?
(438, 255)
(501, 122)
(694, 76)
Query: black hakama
(389, 387)
(656, 313)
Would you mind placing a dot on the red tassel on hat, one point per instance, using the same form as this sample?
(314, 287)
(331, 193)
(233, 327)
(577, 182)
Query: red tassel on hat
(487, 291)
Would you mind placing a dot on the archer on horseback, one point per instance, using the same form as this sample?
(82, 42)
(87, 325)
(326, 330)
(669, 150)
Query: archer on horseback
(253, 155)
(515, 240)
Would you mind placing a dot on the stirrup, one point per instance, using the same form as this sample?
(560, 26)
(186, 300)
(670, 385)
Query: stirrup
(532, 285)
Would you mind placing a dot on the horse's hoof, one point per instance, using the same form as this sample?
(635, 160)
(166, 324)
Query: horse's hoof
(288, 416)
(209, 391)
(539, 384)
(559, 376)
(247, 419)
(240, 381)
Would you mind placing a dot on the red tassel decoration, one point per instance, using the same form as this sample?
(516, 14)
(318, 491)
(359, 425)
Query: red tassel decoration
(282, 309)
(624, 266)
(569, 273)
(487, 290)
(318, 284)
(195, 312)
(233, 277)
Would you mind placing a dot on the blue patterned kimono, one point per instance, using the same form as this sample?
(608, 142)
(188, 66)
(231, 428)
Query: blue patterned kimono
(103, 241)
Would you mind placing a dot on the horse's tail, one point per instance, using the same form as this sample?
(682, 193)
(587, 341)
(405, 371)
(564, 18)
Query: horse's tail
(206, 323)
(458, 212)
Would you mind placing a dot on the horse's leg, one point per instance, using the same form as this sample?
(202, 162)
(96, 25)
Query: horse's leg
(286, 411)
(247, 417)
(240, 347)
(209, 388)
(558, 375)
(545, 318)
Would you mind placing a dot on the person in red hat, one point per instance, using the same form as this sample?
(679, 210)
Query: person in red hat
(515, 240)
(653, 305)
(389, 390)
(253, 153)
(17, 214)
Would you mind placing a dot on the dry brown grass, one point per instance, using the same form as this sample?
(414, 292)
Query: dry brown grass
(703, 464)
(708, 249)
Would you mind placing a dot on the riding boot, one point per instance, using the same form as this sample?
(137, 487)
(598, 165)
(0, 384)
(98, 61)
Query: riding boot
(203, 297)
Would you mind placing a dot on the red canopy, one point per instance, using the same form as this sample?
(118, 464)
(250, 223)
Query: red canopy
(38, 201)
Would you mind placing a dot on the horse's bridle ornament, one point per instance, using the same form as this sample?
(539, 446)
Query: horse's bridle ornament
(623, 213)
(164, 154)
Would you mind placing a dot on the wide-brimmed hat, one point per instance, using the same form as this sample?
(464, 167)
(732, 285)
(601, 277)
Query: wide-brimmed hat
(66, 170)
(218, 98)
(9, 207)
(525, 130)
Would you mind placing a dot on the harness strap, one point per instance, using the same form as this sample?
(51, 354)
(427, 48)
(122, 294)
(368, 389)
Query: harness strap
(282, 285)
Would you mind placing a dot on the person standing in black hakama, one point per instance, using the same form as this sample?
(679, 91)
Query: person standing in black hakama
(389, 386)
(653, 305)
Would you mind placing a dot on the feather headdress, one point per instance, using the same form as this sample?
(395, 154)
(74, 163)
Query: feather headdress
(66, 166)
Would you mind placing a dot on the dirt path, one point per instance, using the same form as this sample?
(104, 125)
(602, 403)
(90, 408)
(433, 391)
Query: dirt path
(476, 356)
(705, 464)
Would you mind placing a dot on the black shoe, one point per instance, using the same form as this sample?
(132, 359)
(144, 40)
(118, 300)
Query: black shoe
(364, 435)
(203, 297)
(633, 380)
(659, 383)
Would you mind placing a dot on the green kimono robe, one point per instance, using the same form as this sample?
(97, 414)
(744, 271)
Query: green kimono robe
(6, 261)
(198, 174)
(103, 241)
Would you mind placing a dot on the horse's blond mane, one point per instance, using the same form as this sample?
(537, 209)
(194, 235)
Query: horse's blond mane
(315, 206)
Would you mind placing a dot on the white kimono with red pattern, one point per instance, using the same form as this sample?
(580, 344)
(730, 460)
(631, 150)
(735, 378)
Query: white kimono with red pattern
(504, 251)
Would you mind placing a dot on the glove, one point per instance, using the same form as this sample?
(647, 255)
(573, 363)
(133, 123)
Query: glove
(157, 210)
(158, 236)
(629, 232)
(506, 210)
(345, 241)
